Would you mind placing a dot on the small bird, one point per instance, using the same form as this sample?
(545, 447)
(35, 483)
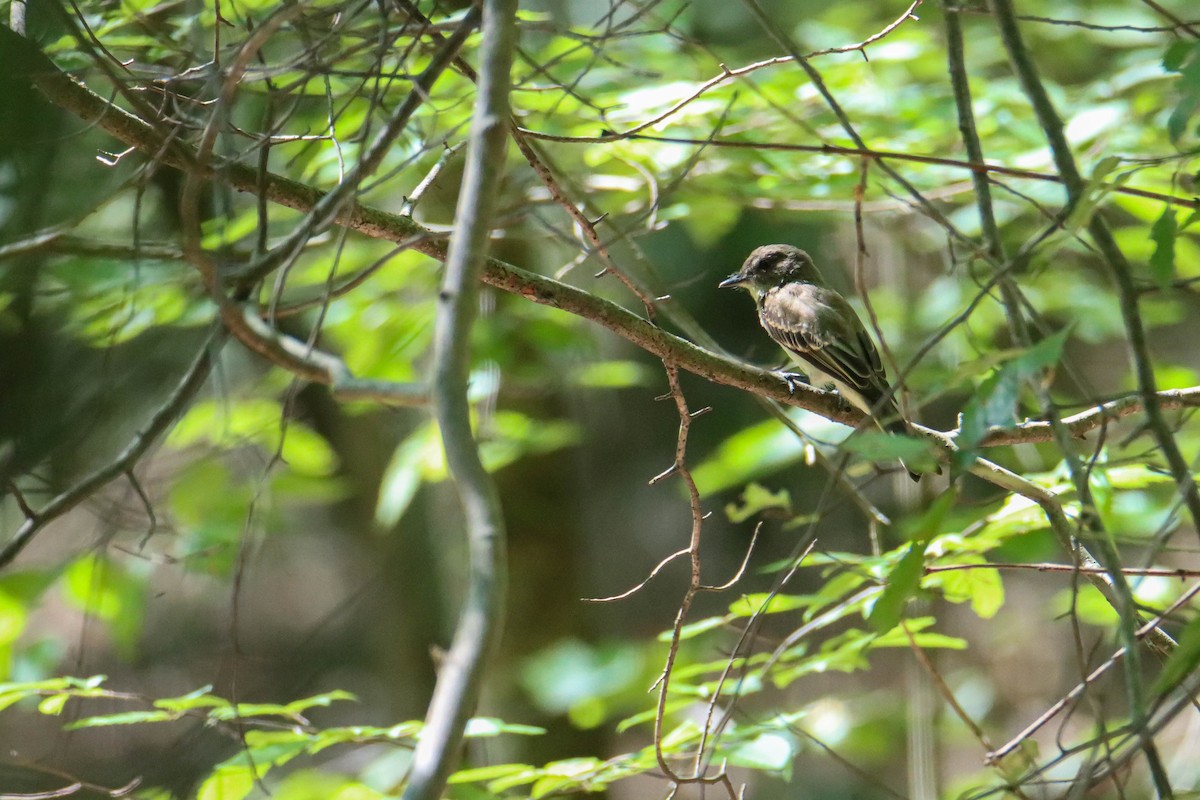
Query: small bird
(819, 329)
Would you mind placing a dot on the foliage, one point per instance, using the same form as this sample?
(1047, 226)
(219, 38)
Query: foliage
(296, 524)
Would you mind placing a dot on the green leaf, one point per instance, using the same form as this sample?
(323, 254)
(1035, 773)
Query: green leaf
(1162, 262)
(314, 784)
(994, 404)
(561, 774)
(902, 584)
(106, 590)
(265, 749)
(515, 435)
(12, 619)
(763, 603)
(1104, 166)
(644, 717)
(1089, 604)
(1177, 122)
(981, 586)
(551, 784)
(198, 698)
(325, 699)
(880, 446)
(53, 705)
(257, 421)
(404, 475)
(227, 783)
(579, 678)
(694, 629)
(480, 774)
(769, 751)
(1182, 661)
(1177, 53)
(479, 727)
(932, 520)
(125, 718)
(614, 375)
(27, 586)
(1187, 64)
(757, 499)
(747, 454)
(1017, 765)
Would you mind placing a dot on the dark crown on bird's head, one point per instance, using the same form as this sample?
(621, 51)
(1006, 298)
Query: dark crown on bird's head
(773, 265)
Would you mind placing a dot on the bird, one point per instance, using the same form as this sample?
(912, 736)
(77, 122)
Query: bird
(820, 331)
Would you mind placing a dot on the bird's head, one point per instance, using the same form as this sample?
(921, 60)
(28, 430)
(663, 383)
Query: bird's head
(773, 265)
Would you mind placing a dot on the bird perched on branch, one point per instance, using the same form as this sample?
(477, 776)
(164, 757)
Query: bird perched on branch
(819, 330)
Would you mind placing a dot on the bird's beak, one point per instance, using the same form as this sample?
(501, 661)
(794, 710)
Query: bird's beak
(734, 280)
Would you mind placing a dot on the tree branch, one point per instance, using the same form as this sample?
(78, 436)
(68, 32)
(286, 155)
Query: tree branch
(462, 672)
(1064, 160)
(71, 96)
(143, 440)
(981, 167)
(1139, 352)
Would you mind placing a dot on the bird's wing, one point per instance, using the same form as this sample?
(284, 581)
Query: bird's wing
(820, 327)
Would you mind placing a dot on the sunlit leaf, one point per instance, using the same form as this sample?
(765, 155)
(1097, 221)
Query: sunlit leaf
(227, 783)
(980, 586)
(757, 499)
(902, 583)
(769, 751)
(1162, 262)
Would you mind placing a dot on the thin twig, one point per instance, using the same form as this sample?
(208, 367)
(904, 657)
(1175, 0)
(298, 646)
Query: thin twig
(737, 576)
(680, 468)
(636, 588)
(1143, 572)
(946, 692)
(1146, 630)
(727, 74)
(123, 463)
(874, 154)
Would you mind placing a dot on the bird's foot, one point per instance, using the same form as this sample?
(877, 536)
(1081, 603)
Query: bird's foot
(792, 379)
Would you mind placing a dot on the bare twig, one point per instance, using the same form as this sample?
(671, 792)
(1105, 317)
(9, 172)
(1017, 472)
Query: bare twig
(727, 74)
(737, 576)
(679, 467)
(326, 211)
(649, 577)
(1144, 631)
(1192, 28)
(946, 692)
(872, 153)
(1178, 24)
(1143, 572)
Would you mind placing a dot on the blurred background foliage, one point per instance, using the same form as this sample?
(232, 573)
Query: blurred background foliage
(267, 598)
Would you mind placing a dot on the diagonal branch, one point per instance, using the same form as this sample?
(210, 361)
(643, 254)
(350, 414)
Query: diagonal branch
(138, 446)
(133, 131)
